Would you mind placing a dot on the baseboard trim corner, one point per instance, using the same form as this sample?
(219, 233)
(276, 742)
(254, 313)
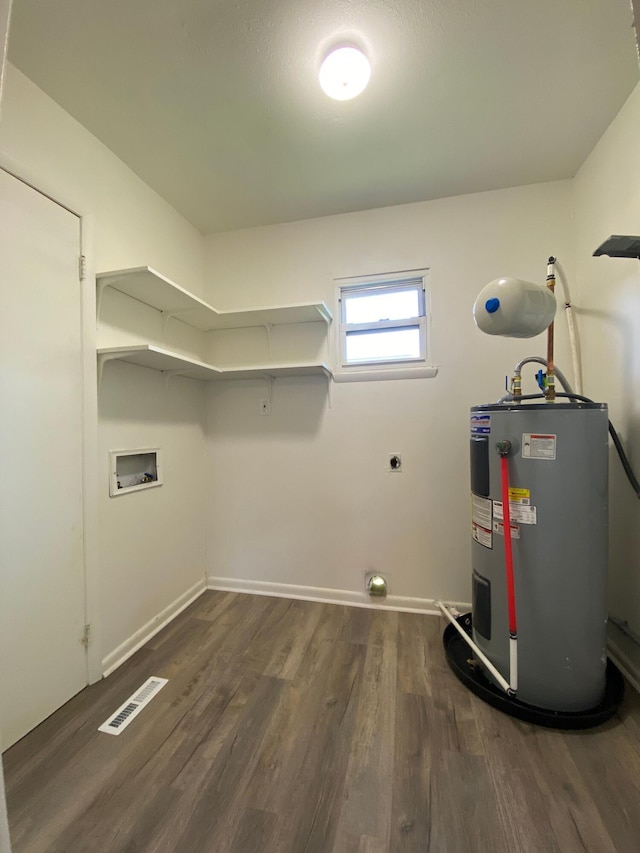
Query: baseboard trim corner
(624, 663)
(323, 595)
(130, 646)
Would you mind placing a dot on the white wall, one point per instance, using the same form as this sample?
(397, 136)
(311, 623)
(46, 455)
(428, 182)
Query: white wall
(134, 226)
(303, 496)
(606, 200)
(5, 8)
(151, 543)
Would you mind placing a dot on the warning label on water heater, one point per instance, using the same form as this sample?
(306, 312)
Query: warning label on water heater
(481, 509)
(536, 446)
(518, 513)
(498, 527)
(481, 518)
(481, 535)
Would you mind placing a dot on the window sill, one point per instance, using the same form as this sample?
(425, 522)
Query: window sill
(372, 375)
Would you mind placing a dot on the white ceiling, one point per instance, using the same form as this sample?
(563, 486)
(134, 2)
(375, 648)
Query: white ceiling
(216, 104)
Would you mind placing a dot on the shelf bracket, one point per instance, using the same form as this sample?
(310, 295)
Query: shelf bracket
(181, 312)
(166, 316)
(101, 286)
(167, 377)
(102, 359)
(326, 318)
(329, 390)
(268, 327)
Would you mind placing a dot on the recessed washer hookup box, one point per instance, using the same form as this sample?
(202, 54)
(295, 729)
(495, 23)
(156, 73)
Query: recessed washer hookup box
(134, 470)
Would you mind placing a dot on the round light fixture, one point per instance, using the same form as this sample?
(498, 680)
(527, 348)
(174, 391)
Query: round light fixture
(344, 74)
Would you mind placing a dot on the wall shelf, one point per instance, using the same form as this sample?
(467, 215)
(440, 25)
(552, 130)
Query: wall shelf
(151, 288)
(146, 355)
(274, 371)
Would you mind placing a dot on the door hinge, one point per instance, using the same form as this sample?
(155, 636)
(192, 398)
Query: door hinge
(82, 266)
(86, 635)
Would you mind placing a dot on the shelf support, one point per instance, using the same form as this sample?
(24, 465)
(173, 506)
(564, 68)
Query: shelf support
(329, 389)
(101, 286)
(166, 316)
(167, 377)
(268, 327)
(102, 359)
(182, 311)
(324, 316)
(178, 313)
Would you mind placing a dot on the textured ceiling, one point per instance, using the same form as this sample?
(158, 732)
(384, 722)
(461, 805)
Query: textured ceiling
(216, 104)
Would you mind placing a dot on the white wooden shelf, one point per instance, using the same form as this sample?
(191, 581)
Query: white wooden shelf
(151, 288)
(146, 355)
(274, 371)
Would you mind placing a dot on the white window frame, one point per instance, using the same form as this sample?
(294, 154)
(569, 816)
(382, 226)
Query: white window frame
(393, 368)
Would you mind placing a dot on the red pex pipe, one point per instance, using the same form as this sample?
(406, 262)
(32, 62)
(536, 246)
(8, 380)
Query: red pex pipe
(508, 550)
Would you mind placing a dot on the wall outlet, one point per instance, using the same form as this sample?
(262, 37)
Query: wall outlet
(264, 407)
(395, 463)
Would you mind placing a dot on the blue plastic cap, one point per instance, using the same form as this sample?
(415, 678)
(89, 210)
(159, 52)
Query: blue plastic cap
(492, 305)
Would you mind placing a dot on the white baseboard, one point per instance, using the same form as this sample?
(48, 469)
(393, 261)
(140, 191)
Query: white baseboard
(625, 655)
(124, 651)
(624, 658)
(404, 604)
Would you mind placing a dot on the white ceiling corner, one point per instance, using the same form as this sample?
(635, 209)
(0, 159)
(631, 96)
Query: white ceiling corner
(216, 105)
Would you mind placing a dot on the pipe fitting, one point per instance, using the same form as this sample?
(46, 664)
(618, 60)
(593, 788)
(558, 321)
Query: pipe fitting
(550, 382)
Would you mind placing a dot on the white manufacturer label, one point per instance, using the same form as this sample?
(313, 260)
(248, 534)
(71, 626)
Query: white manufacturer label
(498, 527)
(480, 424)
(536, 446)
(518, 513)
(481, 511)
(482, 535)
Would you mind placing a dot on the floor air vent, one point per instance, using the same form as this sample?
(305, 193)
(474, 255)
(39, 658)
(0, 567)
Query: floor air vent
(128, 710)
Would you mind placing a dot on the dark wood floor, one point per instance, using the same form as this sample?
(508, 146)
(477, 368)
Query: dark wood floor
(309, 728)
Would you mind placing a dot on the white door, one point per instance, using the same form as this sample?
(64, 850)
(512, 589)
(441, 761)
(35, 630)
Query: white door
(42, 658)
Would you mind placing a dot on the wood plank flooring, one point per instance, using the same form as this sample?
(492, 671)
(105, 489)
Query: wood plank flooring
(295, 727)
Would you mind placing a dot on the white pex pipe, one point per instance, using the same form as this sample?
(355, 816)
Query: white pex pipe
(479, 653)
(575, 354)
(573, 335)
(513, 664)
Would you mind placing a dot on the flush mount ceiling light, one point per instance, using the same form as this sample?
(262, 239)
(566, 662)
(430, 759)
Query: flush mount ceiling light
(344, 74)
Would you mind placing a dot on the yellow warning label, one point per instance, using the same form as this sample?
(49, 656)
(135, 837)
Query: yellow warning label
(519, 496)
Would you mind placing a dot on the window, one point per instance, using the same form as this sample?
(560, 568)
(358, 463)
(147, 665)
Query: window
(383, 323)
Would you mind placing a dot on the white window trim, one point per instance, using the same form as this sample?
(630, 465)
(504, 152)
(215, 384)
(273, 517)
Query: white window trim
(420, 368)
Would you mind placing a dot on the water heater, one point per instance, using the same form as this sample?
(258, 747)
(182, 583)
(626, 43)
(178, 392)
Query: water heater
(534, 644)
(558, 495)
